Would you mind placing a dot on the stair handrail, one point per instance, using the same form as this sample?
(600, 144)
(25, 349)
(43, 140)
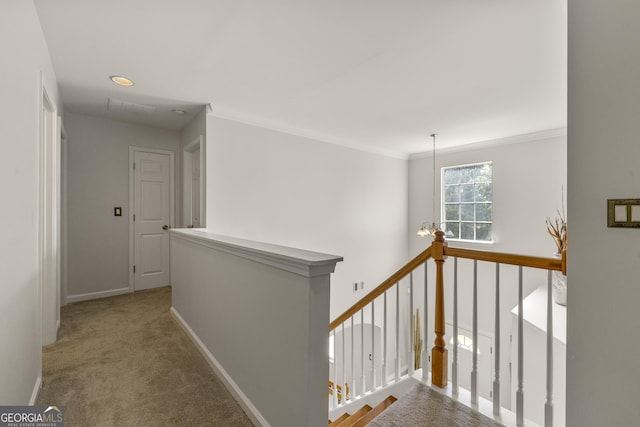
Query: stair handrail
(499, 257)
(558, 264)
(392, 280)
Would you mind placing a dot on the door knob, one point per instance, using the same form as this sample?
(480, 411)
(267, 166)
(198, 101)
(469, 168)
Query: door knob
(165, 227)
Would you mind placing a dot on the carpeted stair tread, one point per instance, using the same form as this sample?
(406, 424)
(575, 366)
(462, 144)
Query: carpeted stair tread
(377, 410)
(424, 407)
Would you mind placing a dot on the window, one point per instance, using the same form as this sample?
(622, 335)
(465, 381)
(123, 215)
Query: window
(467, 194)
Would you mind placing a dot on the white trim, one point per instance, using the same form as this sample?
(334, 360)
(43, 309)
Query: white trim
(63, 212)
(172, 213)
(96, 295)
(36, 391)
(515, 139)
(48, 218)
(298, 261)
(252, 412)
(196, 144)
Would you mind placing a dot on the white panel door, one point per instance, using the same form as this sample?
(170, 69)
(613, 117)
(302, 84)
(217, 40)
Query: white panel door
(195, 189)
(152, 219)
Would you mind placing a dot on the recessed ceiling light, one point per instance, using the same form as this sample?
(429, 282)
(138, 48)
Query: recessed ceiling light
(179, 112)
(122, 81)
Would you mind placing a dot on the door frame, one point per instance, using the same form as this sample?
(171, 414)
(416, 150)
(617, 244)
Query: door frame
(63, 275)
(196, 144)
(48, 295)
(132, 235)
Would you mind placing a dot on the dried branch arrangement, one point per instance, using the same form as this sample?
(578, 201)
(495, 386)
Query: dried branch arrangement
(557, 228)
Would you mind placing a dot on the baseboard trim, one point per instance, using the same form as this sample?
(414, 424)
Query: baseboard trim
(96, 295)
(36, 391)
(252, 412)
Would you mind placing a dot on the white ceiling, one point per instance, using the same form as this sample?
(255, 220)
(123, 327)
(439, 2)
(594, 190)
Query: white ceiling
(374, 74)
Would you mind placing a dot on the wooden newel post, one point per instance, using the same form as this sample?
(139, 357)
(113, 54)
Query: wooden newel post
(439, 362)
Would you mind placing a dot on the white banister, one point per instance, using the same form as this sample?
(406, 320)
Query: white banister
(454, 362)
(385, 355)
(483, 384)
(411, 353)
(344, 368)
(425, 348)
(548, 406)
(373, 345)
(334, 395)
(474, 366)
(496, 353)
(397, 361)
(520, 390)
(363, 382)
(353, 357)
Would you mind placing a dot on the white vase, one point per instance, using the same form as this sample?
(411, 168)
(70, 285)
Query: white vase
(559, 286)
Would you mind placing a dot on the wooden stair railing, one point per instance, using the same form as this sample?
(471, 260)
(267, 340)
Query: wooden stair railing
(439, 251)
(387, 284)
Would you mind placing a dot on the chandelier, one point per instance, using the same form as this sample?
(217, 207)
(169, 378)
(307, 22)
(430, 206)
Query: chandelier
(429, 228)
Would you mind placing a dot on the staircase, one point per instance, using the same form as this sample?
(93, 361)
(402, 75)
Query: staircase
(378, 342)
(363, 416)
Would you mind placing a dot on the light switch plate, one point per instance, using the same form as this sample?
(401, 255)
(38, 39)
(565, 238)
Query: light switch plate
(623, 213)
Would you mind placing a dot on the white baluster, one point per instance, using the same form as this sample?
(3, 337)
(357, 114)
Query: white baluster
(363, 378)
(425, 346)
(334, 377)
(496, 354)
(454, 362)
(411, 352)
(373, 346)
(332, 395)
(384, 345)
(548, 406)
(520, 390)
(344, 369)
(474, 366)
(353, 357)
(397, 361)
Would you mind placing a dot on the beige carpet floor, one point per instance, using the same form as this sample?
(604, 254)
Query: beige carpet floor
(123, 361)
(424, 407)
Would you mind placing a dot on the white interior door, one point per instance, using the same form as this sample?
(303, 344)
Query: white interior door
(152, 219)
(195, 189)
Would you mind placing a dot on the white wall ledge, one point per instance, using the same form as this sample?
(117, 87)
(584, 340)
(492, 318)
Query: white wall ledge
(298, 261)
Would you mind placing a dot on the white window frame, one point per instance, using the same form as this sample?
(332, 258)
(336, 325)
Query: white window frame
(443, 203)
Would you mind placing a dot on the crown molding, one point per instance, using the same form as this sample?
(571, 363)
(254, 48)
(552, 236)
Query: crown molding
(515, 139)
(303, 133)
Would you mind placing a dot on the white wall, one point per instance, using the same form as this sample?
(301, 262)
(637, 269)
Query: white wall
(603, 354)
(25, 55)
(527, 183)
(98, 181)
(270, 186)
